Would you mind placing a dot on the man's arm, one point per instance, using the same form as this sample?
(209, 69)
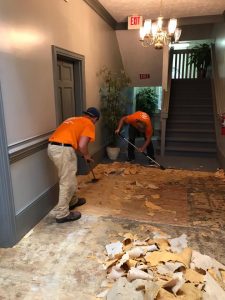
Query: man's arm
(147, 142)
(120, 125)
(83, 147)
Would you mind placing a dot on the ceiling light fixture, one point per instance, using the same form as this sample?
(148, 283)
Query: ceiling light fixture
(153, 33)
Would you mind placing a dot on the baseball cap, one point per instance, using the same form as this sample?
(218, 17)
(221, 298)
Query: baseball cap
(92, 112)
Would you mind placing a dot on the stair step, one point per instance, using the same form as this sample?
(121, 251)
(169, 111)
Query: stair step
(188, 117)
(191, 130)
(189, 135)
(189, 99)
(190, 149)
(189, 152)
(190, 140)
(190, 109)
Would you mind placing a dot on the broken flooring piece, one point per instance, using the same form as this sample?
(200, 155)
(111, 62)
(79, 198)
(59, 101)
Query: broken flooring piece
(149, 288)
(168, 268)
(124, 290)
(178, 244)
(136, 252)
(135, 273)
(200, 261)
(175, 283)
(102, 294)
(116, 273)
(123, 260)
(213, 289)
(165, 295)
(154, 258)
(190, 292)
(114, 249)
(110, 263)
(162, 244)
(193, 276)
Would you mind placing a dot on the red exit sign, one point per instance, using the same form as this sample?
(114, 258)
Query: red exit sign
(144, 76)
(135, 22)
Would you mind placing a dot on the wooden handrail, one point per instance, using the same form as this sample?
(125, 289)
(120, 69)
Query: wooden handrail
(165, 105)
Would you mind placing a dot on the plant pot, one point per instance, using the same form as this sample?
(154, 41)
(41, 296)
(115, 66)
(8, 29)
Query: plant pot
(113, 152)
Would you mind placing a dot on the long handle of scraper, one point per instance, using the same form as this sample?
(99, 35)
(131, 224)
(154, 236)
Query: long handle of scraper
(123, 137)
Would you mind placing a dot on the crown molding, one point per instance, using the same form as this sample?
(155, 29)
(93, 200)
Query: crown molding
(211, 19)
(102, 12)
(199, 20)
(105, 15)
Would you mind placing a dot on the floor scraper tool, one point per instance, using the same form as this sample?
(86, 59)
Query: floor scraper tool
(145, 154)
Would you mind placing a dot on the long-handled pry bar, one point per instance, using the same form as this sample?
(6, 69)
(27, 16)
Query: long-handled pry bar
(145, 154)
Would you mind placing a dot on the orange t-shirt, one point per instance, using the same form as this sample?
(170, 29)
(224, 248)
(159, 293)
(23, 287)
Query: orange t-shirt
(70, 131)
(141, 116)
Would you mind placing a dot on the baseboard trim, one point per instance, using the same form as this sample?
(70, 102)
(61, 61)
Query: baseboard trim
(31, 215)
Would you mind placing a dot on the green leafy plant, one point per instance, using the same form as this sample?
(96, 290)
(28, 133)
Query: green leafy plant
(201, 58)
(113, 99)
(146, 100)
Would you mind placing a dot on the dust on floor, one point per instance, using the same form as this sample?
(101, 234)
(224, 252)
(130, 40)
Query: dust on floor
(64, 261)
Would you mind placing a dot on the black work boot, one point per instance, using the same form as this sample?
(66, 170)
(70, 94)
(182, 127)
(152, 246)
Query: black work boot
(72, 216)
(81, 201)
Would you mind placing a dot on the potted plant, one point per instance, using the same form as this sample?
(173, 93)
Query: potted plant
(113, 104)
(146, 100)
(201, 58)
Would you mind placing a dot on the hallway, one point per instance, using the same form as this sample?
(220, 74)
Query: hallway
(65, 261)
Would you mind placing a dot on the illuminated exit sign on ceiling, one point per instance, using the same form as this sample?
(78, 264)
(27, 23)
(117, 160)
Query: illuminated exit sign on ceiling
(135, 22)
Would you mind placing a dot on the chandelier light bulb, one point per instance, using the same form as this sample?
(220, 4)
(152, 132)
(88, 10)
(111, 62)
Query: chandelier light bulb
(142, 33)
(172, 26)
(148, 26)
(160, 23)
(177, 34)
(154, 28)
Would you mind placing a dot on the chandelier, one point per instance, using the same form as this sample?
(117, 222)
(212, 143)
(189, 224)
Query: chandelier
(153, 33)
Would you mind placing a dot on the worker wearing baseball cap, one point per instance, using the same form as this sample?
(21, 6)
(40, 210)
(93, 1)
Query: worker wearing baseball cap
(74, 134)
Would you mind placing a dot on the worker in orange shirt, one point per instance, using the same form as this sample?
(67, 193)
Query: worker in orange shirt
(74, 134)
(138, 122)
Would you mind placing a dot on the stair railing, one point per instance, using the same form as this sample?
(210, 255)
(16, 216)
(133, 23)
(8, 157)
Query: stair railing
(218, 98)
(181, 66)
(165, 105)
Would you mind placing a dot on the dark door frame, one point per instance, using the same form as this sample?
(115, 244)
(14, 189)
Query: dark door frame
(79, 79)
(8, 234)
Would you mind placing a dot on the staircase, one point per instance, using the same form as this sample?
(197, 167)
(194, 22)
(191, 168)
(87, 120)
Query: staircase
(190, 123)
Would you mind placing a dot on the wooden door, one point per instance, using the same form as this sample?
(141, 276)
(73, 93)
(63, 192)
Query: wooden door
(66, 89)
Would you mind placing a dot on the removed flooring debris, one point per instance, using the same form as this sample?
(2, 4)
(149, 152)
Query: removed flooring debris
(170, 207)
(160, 269)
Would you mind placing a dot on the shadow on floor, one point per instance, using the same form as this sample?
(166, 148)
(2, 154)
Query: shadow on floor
(209, 164)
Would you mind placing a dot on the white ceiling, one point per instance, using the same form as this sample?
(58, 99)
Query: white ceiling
(121, 9)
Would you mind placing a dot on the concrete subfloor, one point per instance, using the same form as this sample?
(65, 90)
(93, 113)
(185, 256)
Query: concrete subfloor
(65, 261)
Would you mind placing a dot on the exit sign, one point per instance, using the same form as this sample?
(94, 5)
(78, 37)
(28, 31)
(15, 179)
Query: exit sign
(135, 22)
(144, 76)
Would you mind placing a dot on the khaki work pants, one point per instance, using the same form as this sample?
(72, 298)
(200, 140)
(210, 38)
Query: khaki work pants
(65, 160)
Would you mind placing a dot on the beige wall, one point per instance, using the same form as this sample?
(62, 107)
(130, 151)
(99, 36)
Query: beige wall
(139, 60)
(28, 29)
(219, 33)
